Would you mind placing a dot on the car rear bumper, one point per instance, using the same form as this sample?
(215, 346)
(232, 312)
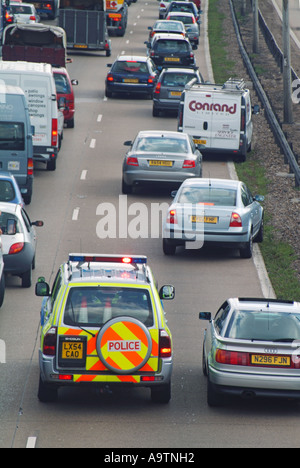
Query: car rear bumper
(137, 177)
(50, 375)
(19, 263)
(130, 88)
(247, 384)
(229, 240)
(166, 104)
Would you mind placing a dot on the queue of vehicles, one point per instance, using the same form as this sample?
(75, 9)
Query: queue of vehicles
(102, 322)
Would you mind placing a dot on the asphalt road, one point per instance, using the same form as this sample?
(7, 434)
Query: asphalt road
(70, 201)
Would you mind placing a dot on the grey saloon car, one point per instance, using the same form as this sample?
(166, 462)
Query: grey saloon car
(190, 23)
(158, 156)
(251, 349)
(170, 85)
(216, 212)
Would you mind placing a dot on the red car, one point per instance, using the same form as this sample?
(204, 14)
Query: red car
(64, 89)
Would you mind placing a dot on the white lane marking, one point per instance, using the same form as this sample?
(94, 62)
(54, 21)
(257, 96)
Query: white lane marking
(93, 143)
(75, 214)
(31, 441)
(83, 174)
(99, 118)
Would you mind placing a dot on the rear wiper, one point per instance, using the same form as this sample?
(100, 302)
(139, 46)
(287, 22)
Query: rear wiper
(284, 340)
(77, 324)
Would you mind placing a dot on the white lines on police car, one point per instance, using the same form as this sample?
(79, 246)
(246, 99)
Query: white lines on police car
(31, 441)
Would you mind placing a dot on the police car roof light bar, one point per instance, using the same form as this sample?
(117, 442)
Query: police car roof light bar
(130, 259)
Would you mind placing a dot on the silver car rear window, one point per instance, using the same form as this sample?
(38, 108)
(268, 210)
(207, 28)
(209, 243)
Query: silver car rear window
(162, 145)
(177, 79)
(208, 195)
(263, 326)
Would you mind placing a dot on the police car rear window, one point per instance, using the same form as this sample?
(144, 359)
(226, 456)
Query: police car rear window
(94, 306)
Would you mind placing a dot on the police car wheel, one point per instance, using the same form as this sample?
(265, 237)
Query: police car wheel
(46, 394)
(161, 393)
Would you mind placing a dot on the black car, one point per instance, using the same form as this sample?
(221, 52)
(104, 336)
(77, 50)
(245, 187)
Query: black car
(171, 83)
(131, 74)
(171, 50)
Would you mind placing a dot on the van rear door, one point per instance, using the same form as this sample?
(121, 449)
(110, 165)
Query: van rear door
(213, 119)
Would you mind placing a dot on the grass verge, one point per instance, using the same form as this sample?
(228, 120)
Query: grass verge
(279, 256)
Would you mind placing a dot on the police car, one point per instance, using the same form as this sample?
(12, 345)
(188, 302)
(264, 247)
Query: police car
(102, 324)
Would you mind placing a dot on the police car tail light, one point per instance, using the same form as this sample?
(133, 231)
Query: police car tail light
(236, 220)
(50, 339)
(165, 346)
(16, 248)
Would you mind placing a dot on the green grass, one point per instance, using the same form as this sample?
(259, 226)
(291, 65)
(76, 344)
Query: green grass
(279, 256)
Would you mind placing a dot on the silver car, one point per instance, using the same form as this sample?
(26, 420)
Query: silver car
(24, 13)
(251, 349)
(190, 23)
(18, 241)
(214, 212)
(160, 156)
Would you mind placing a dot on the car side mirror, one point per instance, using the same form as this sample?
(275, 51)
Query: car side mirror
(38, 223)
(127, 143)
(255, 109)
(259, 198)
(167, 292)
(74, 82)
(205, 316)
(42, 288)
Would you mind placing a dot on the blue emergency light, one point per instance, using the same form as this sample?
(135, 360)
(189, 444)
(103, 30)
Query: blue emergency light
(126, 259)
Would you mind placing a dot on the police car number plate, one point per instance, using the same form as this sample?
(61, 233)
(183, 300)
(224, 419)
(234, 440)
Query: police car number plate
(72, 350)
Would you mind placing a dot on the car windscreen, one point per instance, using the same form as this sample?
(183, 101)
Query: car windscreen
(162, 145)
(130, 67)
(171, 46)
(62, 84)
(12, 136)
(7, 191)
(93, 306)
(176, 79)
(184, 19)
(208, 195)
(263, 326)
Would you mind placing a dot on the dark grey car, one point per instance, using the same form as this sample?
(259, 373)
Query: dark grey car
(170, 85)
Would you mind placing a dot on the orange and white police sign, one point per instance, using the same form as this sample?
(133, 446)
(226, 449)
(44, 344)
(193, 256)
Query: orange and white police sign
(124, 345)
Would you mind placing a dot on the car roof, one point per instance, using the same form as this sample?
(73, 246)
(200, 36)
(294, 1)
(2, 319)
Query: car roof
(181, 13)
(9, 207)
(126, 58)
(192, 71)
(265, 304)
(61, 70)
(21, 4)
(108, 268)
(162, 133)
(167, 22)
(206, 182)
(172, 37)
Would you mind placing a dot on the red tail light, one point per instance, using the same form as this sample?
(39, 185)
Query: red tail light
(54, 136)
(16, 248)
(172, 217)
(110, 77)
(151, 79)
(30, 166)
(188, 164)
(165, 345)
(32, 18)
(49, 347)
(191, 55)
(152, 53)
(235, 220)
(157, 89)
(233, 358)
(132, 161)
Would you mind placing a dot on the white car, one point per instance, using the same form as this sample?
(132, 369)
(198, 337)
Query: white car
(23, 13)
(19, 241)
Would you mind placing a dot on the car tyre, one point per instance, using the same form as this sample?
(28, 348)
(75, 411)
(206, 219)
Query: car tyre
(155, 112)
(108, 94)
(204, 364)
(27, 278)
(161, 394)
(168, 248)
(260, 235)
(71, 123)
(247, 250)
(214, 399)
(126, 189)
(2, 289)
(47, 394)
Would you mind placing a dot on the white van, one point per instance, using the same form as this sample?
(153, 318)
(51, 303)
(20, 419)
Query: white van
(37, 82)
(218, 117)
(16, 148)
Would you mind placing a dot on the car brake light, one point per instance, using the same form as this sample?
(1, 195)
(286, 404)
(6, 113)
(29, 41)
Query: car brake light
(152, 53)
(172, 217)
(110, 77)
(54, 139)
(191, 55)
(233, 358)
(151, 79)
(32, 18)
(157, 89)
(30, 166)
(49, 346)
(132, 161)
(165, 345)
(16, 248)
(235, 220)
(188, 164)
